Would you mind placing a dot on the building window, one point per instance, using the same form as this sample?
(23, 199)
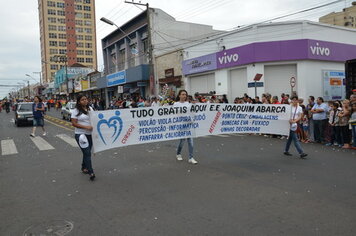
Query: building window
(78, 15)
(62, 36)
(61, 13)
(80, 45)
(89, 60)
(62, 44)
(88, 37)
(78, 30)
(60, 4)
(87, 30)
(87, 1)
(88, 52)
(145, 50)
(78, 7)
(62, 20)
(52, 35)
(51, 12)
(87, 23)
(79, 37)
(61, 66)
(52, 28)
(80, 59)
(51, 4)
(61, 28)
(54, 67)
(53, 43)
(121, 59)
(53, 51)
(78, 0)
(88, 45)
(80, 52)
(52, 20)
(62, 51)
(86, 8)
(87, 16)
(78, 22)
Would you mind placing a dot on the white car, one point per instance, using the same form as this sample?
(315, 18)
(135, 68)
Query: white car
(67, 110)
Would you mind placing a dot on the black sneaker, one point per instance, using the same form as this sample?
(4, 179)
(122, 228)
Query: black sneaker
(287, 154)
(303, 155)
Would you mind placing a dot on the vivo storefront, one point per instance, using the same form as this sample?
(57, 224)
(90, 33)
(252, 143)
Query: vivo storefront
(317, 66)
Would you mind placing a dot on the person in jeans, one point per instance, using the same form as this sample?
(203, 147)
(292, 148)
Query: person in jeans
(319, 119)
(81, 122)
(182, 100)
(38, 109)
(311, 103)
(296, 116)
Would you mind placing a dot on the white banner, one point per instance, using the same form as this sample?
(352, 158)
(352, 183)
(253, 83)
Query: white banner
(118, 128)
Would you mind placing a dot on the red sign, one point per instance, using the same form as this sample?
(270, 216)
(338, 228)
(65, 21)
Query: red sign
(258, 77)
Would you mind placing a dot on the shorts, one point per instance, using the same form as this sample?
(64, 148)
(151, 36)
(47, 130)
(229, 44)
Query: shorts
(305, 127)
(38, 122)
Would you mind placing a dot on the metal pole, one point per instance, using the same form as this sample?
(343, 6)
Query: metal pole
(28, 88)
(255, 89)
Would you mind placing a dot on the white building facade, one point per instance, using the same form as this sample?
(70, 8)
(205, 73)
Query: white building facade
(311, 54)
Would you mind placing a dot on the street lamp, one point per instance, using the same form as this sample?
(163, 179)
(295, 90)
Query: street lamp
(28, 87)
(107, 21)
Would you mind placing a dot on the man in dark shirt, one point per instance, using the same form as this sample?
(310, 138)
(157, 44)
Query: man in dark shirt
(38, 109)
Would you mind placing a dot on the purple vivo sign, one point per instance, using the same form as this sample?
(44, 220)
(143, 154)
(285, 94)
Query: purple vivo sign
(301, 49)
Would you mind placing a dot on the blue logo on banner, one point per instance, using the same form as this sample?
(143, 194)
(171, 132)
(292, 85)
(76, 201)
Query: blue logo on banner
(116, 78)
(115, 123)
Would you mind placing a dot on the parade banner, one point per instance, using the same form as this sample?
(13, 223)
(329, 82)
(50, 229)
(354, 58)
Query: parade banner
(118, 128)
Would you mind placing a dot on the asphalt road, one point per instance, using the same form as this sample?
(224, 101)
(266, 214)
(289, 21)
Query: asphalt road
(243, 185)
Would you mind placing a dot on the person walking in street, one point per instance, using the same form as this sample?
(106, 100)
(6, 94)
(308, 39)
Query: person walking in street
(81, 122)
(182, 101)
(38, 109)
(296, 116)
(319, 119)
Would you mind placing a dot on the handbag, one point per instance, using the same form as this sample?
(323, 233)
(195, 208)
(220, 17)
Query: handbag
(294, 126)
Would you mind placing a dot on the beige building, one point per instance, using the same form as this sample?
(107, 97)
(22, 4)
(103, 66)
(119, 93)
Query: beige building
(346, 18)
(67, 31)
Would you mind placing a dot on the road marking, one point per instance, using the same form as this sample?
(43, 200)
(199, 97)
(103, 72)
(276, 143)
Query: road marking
(41, 143)
(59, 125)
(67, 139)
(8, 147)
(12, 120)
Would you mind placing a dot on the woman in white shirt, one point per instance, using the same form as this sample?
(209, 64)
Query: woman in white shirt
(296, 115)
(83, 128)
(182, 100)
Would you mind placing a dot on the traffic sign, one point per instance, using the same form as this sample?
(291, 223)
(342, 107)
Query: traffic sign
(293, 82)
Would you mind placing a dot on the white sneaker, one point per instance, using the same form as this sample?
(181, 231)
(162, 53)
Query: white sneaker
(179, 157)
(32, 135)
(192, 161)
(44, 134)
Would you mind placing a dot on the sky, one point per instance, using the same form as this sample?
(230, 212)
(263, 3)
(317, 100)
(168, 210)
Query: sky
(20, 38)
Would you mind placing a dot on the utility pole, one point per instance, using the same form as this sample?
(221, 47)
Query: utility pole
(149, 45)
(28, 88)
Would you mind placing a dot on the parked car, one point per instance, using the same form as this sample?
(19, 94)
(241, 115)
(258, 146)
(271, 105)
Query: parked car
(23, 113)
(67, 110)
